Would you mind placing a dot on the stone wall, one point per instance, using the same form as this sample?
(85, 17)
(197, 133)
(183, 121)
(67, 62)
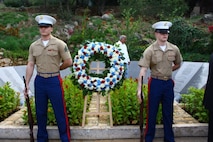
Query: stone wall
(5, 62)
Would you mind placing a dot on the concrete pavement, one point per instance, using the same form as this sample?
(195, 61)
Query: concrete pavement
(180, 139)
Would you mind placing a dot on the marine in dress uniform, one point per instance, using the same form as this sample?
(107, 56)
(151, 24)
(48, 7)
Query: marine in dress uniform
(161, 57)
(50, 55)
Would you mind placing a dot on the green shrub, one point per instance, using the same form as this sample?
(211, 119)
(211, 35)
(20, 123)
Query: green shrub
(74, 100)
(16, 43)
(135, 52)
(125, 105)
(163, 9)
(12, 43)
(15, 47)
(9, 101)
(193, 104)
(189, 38)
(29, 34)
(19, 3)
(13, 3)
(14, 40)
(15, 55)
(13, 18)
(195, 57)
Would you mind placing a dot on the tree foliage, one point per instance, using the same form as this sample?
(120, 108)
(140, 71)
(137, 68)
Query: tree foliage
(158, 9)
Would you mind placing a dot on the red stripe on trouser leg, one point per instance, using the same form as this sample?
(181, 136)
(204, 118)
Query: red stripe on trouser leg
(65, 112)
(147, 111)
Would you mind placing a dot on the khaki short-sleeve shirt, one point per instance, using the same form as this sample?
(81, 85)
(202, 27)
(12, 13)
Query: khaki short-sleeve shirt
(160, 62)
(48, 59)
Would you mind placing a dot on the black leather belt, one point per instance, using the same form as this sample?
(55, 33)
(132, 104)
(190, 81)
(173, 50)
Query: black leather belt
(48, 74)
(161, 77)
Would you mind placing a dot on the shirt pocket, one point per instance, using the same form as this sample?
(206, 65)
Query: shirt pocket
(53, 51)
(37, 53)
(157, 57)
(171, 56)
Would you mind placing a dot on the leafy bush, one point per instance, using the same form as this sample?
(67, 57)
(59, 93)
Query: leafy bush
(13, 3)
(74, 100)
(12, 43)
(193, 104)
(135, 53)
(16, 40)
(195, 57)
(12, 18)
(9, 101)
(15, 47)
(163, 9)
(189, 38)
(125, 105)
(19, 3)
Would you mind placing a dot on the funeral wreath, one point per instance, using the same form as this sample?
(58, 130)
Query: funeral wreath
(114, 67)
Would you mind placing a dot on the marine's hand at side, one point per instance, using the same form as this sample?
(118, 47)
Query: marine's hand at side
(26, 91)
(139, 96)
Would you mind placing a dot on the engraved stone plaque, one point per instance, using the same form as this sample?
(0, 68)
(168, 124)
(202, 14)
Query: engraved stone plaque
(185, 74)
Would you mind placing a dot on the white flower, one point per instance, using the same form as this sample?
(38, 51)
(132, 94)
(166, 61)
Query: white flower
(80, 80)
(102, 85)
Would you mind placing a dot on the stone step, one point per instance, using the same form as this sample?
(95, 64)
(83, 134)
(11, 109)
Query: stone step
(93, 133)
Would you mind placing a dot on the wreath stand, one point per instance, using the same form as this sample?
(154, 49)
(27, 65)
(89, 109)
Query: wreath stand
(98, 112)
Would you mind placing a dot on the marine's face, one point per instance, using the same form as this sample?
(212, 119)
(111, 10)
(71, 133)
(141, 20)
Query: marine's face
(45, 30)
(161, 37)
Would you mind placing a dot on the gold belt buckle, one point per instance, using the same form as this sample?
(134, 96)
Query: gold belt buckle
(165, 78)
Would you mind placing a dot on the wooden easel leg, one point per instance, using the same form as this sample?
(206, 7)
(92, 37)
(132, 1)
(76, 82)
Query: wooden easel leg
(98, 103)
(84, 112)
(110, 110)
(98, 107)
